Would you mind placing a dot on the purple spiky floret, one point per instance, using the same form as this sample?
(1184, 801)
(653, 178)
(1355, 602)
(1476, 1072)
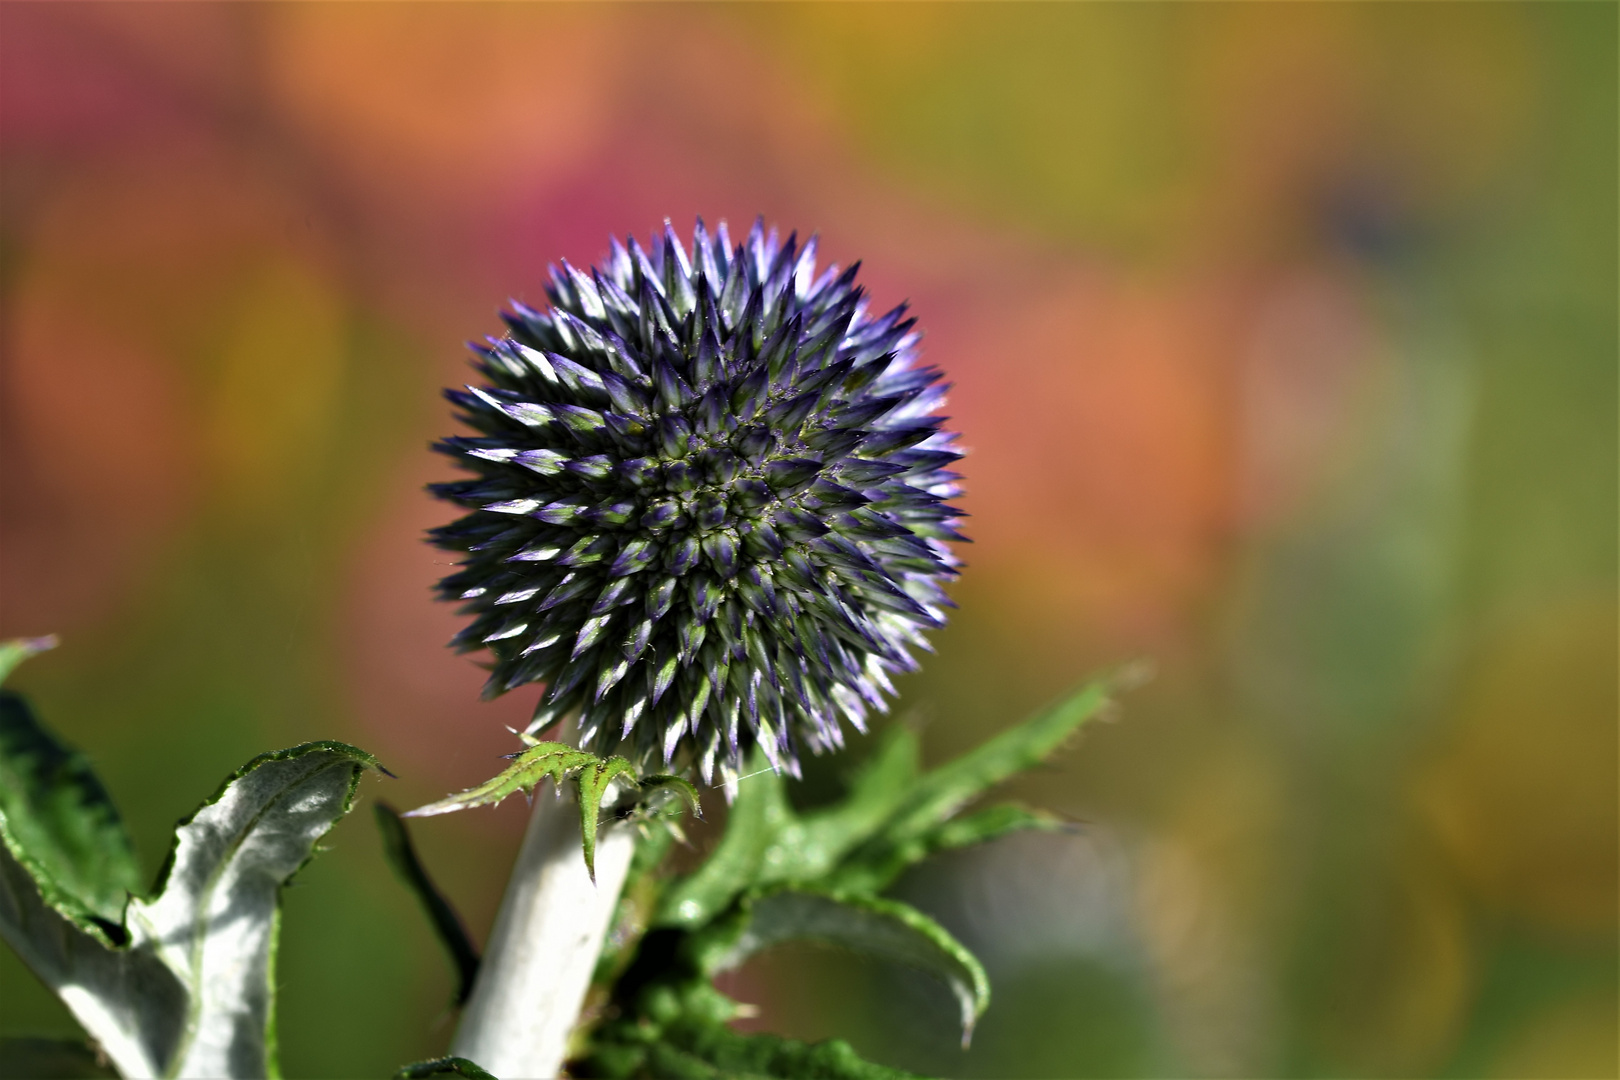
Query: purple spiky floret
(709, 508)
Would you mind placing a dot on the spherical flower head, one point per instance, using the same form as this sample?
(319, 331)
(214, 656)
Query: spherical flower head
(709, 502)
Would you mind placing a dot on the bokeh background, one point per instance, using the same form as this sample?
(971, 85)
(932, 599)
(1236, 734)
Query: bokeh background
(1284, 341)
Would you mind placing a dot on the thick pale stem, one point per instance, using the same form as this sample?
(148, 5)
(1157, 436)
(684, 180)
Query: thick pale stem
(547, 937)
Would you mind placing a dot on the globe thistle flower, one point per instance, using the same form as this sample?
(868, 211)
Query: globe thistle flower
(708, 507)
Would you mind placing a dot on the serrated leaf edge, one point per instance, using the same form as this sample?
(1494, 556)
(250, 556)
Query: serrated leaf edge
(358, 761)
(532, 766)
(972, 994)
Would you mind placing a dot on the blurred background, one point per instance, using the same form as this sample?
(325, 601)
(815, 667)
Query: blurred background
(1284, 341)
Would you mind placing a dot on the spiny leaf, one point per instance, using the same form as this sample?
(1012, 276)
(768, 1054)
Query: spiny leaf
(703, 1051)
(883, 826)
(736, 1054)
(527, 770)
(652, 786)
(879, 927)
(447, 925)
(876, 870)
(991, 823)
(445, 1066)
(658, 802)
(940, 793)
(592, 775)
(778, 875)
(808, 847)
(593, 784)
(757, 817)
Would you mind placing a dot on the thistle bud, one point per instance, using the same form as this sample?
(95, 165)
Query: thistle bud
(708, 502)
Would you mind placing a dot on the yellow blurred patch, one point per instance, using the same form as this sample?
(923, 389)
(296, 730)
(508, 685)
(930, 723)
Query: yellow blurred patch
(1523, 792)
(280, 369)
(1578, 1040)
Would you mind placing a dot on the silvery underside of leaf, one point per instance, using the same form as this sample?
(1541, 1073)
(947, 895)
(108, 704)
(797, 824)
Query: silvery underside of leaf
(178, 982)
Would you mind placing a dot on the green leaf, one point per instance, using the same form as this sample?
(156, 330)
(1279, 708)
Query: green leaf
(991, 823)
(17, 650)
(664, 783)
(526, 772)
(948, 788)
(808, 847)
(401, 854)
(593, 783)
(879, 927)
(777, 875)
(697, 1051)
(757, 817)
(939, 794)
(877, 869)
(735, 1054)
(888, 821)
(51, 1059)
(132, 1003)
(63, 823)
(192, 991)
(445, 1066)
(593, 776)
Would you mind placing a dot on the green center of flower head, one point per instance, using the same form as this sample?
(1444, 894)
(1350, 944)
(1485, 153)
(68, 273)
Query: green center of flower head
(709, 504)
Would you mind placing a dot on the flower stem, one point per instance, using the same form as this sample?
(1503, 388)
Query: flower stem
(549, 932)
